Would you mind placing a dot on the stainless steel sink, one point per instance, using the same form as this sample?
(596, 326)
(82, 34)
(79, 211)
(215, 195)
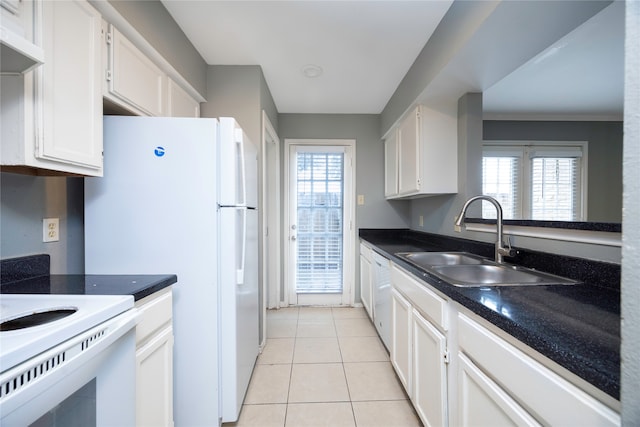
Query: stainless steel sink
(468, 270)
(431, 259)
(496, 275)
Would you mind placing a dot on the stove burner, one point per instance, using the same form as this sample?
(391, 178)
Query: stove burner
(35, 319)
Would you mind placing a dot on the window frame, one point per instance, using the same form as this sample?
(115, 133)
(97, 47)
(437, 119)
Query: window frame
(524, 150)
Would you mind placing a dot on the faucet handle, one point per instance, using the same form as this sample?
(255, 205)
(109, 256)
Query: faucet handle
(508, 251)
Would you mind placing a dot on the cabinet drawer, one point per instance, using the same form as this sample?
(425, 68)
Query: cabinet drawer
(423, 299)
(551, 399)
(156, 312)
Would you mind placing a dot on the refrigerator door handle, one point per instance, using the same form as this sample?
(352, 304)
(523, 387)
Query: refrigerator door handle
(243, 250)
(242, 176)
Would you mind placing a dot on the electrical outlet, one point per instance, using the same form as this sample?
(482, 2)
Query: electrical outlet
(50, 229)
(360, 199)
(421, 220)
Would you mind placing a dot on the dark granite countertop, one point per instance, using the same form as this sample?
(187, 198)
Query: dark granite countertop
(139, 286)
(577, 326)
(30, 275)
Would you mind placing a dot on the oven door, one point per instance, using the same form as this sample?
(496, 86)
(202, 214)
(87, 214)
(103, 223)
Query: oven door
(88, 380)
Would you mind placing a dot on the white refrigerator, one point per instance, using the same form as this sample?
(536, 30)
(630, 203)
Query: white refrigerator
(179, 196)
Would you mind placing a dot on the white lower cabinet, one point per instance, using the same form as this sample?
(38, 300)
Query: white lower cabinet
(482, 402)
(502, 381)
(154, 361)
(419, 351)
(400, 334)
(460, 370)
(429, 373)
(366, 292)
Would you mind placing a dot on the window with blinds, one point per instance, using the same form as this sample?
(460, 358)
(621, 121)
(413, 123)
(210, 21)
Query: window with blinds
(534, 181)
(554, 183)
(320, 188)
(500, 180)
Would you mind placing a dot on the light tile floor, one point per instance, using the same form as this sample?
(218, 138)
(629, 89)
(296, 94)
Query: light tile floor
(324, 367)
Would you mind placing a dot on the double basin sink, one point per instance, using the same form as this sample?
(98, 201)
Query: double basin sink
(464, 269)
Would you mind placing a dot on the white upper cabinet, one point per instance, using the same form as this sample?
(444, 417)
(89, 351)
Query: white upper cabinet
(133, 80)
(52, 115)
(180, 103)
(72, 125)
(391, 165)
(18, 52)
(426, 155)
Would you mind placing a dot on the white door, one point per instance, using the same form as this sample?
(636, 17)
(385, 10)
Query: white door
(320, 222)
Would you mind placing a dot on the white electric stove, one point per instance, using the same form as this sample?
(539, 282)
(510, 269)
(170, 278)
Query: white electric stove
(86, 357)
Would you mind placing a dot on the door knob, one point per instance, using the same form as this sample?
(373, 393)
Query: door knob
(293, 238)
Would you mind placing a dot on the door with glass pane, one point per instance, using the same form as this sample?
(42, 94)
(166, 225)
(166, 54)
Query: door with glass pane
(319, 224)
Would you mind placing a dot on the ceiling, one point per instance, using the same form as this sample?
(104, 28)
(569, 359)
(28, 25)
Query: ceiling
(364, 49)
(581, 75)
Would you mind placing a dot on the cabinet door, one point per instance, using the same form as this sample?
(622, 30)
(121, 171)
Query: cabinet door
(409, 154)
(69, 85)
(391, 165)
(154, 381)
(429, 372)
(400, 338)
(180, 103)
(134, 80)
(482, 402)
(365, 285)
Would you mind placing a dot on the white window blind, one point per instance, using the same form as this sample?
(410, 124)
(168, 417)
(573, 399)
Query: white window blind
(534, 181)
(500, 180)
(555, 188)
(320, 222)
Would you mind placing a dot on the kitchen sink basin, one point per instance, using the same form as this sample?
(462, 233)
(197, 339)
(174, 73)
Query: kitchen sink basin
(496, 275)
(468, 270)
(431, 259)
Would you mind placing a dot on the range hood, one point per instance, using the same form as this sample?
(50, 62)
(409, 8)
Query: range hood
(19, 55)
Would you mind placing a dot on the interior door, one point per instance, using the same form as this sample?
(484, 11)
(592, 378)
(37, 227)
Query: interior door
(320, 224)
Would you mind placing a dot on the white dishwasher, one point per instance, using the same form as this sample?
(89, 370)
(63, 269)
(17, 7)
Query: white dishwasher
(382, 297)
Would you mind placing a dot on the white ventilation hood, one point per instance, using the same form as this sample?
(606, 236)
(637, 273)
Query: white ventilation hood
(19, 55)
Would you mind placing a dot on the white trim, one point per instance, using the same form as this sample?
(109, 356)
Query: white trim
(271, 274)
(603, 238)
(349, 216)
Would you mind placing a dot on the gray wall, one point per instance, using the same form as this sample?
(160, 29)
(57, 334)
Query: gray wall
(156, 25)
(25, 201)
(630, 298)
(239, 91)
(605, 156)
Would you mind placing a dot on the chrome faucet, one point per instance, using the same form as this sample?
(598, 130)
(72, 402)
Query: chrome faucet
(501, 250)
